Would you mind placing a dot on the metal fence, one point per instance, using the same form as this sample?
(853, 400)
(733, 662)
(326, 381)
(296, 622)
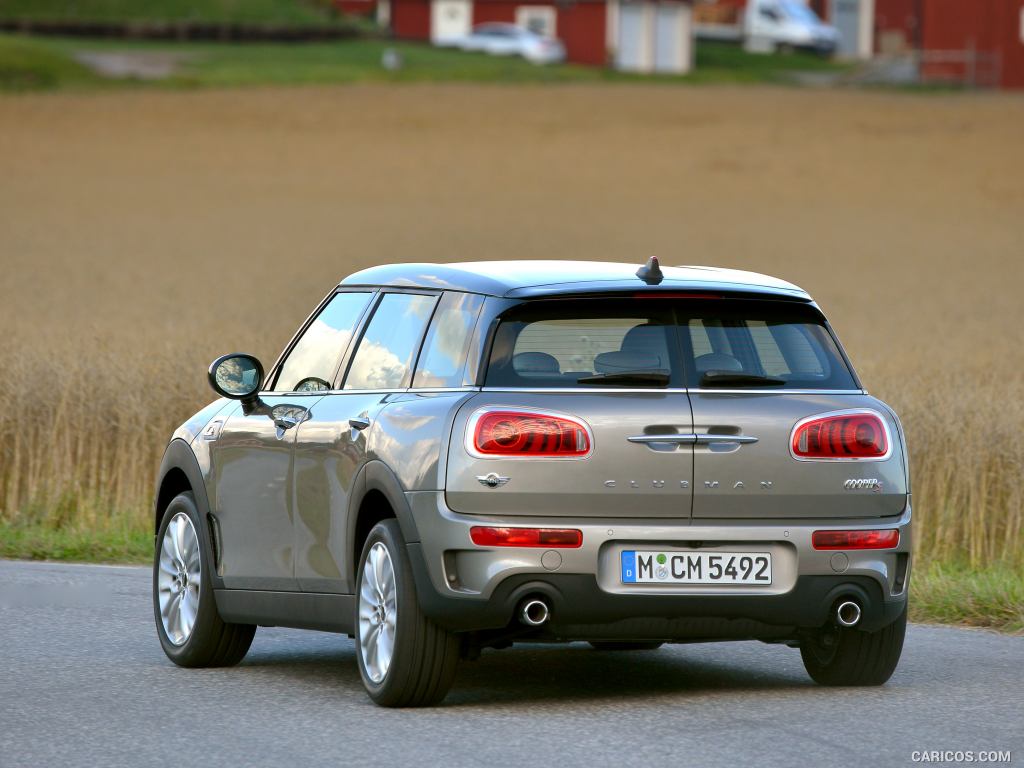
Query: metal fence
(970, 67)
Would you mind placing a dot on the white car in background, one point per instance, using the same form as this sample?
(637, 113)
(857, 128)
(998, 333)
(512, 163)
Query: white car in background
(500, 39)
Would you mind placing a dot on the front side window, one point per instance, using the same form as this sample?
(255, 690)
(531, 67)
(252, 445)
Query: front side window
(311, 364)
(443, 359)
(384, 357)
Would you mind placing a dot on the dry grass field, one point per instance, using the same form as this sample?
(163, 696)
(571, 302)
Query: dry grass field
(142, 234)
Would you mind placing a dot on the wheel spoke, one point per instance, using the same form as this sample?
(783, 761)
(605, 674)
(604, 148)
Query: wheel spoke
(177, 534)
(188, 614)
(378, 569)
(167, 565)
(370, 571)
(174, 617)
(166, 605)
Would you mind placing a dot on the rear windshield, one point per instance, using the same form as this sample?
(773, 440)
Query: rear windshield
(707, 343)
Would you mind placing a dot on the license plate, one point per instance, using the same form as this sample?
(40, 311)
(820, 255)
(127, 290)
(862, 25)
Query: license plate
(696, 567)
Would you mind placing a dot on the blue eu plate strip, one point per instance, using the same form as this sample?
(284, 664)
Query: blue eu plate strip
(629, 567)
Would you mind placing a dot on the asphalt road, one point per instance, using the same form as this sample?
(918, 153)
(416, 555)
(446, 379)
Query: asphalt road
(83, 682)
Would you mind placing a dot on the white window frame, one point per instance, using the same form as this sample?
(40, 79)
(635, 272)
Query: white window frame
(547, 13)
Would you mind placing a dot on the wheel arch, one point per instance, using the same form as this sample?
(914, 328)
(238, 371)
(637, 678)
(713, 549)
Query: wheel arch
(377, 495)
(179, 472)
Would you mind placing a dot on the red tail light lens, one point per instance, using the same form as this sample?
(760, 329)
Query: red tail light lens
(859, 435)
(855, 539)
(556, 538)
(518, 433)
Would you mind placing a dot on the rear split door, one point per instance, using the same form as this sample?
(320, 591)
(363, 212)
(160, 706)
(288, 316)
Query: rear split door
(583, 414)
(764, 375)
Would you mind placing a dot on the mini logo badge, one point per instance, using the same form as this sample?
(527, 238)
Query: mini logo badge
(863, 484)
(492, 480)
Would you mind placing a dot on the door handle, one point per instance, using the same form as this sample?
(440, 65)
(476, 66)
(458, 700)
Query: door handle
(717, 439)
(673, 437)
(702, 439)
(359, 423)
(285, 422)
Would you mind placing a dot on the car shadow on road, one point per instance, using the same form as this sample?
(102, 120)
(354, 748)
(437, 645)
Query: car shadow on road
(577, 672)
(551, 673)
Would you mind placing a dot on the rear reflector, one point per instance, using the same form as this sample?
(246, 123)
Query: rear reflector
(855, 539)
(856, 435)
(565, 538)
(523, 433)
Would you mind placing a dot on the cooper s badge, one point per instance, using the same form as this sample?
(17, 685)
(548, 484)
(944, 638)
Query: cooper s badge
(863, 484)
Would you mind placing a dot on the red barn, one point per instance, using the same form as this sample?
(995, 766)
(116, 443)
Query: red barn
(632, 35)
(977, 42)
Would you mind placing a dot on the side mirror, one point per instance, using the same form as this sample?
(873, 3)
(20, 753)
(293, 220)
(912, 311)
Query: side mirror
(237, 376)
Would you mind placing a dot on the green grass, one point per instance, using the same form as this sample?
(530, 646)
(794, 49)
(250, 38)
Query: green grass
(27, 62)
(83, 545)
(727, 62)
(271, 12)
(25, 65)
(955, 594)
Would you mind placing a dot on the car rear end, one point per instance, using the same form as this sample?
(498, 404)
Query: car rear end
(541, 49)
(664, 465)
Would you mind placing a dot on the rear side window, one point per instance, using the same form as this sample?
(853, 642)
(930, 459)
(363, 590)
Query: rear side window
(311, 364)
(442, 362)
(384, 357)
(708, 343)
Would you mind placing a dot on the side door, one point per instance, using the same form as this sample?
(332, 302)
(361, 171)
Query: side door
(571, 360)
(252, 457)
(333, 443)
(778, 365)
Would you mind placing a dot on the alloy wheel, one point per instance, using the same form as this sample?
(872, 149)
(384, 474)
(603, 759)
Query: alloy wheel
(179, 578)
(378, 612)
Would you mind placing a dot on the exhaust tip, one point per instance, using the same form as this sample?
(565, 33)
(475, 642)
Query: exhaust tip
(848, 613)
(533, 612)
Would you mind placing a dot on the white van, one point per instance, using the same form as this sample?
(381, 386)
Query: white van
(780, 25)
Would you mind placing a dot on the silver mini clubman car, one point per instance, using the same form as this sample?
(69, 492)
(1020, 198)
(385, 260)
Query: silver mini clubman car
(453, 457)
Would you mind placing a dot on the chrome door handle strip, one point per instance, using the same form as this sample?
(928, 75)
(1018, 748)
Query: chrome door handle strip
(692, 439)
(671, 438)
(359, 423)
(708, 439)
(285, 422)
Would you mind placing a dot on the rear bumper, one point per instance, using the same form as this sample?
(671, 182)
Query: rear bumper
(464, 587)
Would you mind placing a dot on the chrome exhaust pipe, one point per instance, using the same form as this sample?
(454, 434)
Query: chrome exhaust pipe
(848, 613)
(533, 612)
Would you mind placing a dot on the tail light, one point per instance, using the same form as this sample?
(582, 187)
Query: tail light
(527, 433)
(841, 435)
(855, 539)
(557, 538)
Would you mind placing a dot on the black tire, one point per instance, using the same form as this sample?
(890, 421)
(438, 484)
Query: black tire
(853, 657)
(425, 656)
(615, 645)
(212, 642)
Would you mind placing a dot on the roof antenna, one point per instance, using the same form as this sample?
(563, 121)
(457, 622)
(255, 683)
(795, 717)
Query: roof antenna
(650, 272)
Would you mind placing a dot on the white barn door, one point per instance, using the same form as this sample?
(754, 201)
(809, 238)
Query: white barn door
(631, 52)
(450, 20)
(668, 38)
